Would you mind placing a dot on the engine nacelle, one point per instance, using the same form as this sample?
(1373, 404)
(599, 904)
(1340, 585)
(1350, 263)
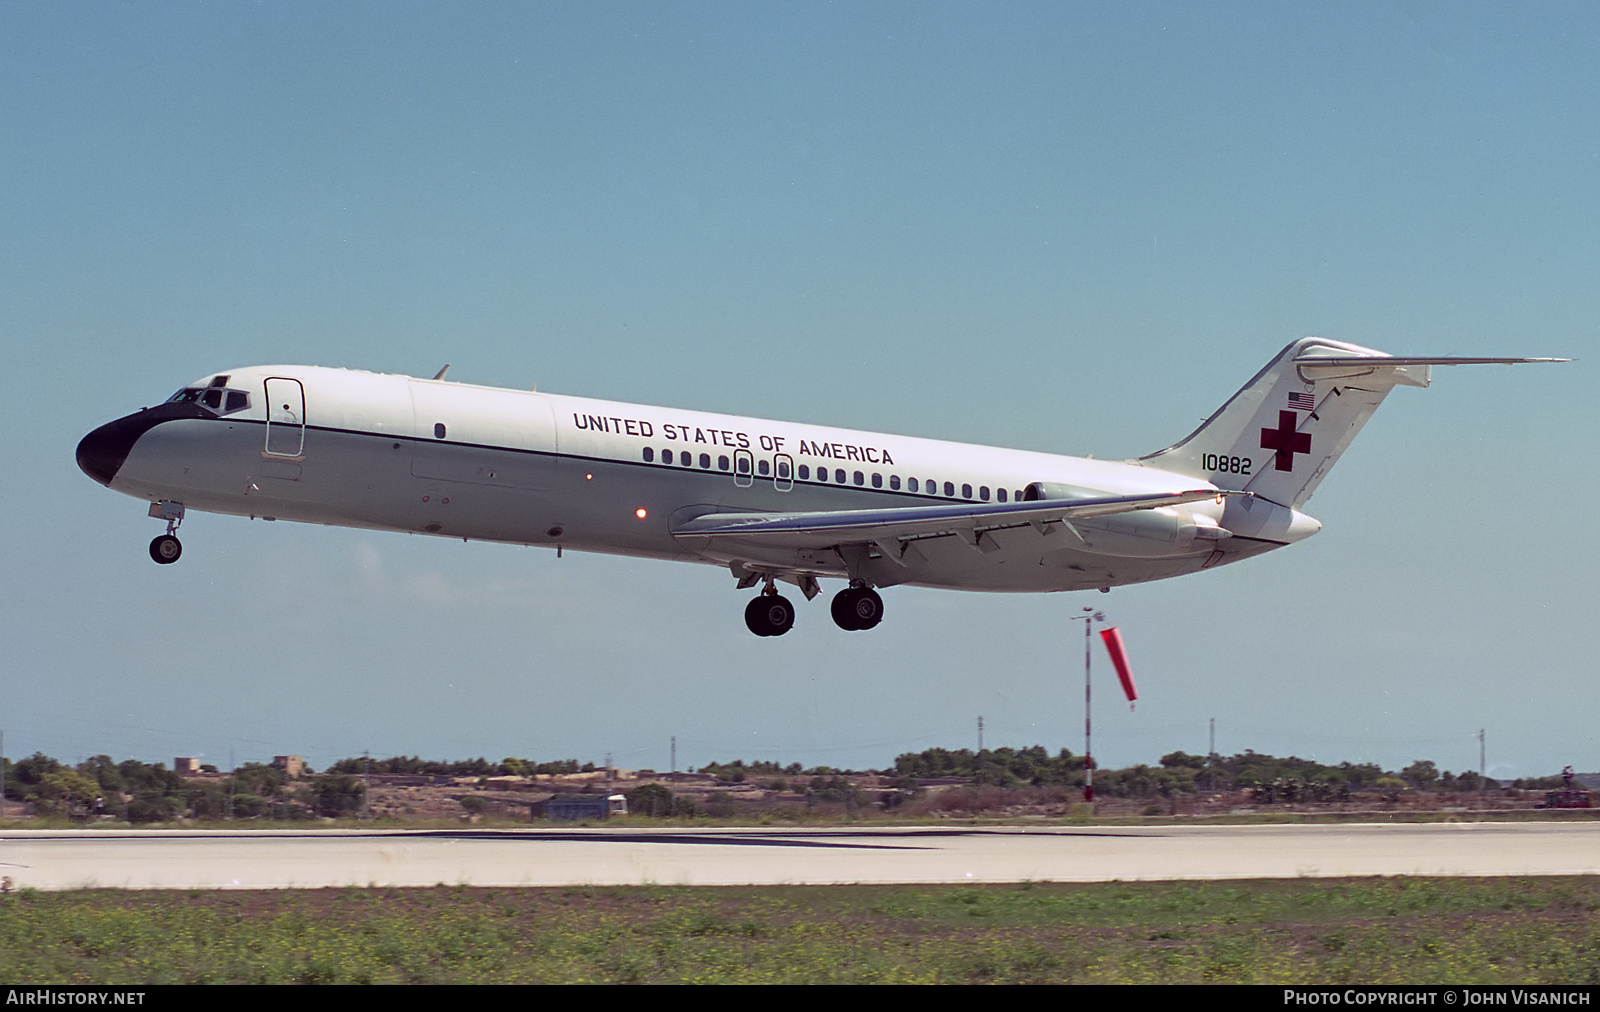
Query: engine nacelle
(1149, 533)
(1039, 490)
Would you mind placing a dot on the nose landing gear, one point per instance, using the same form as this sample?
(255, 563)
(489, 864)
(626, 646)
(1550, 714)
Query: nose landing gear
(166, 548)
(769, 613)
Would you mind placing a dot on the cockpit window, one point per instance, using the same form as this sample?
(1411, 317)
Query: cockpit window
(215, 397)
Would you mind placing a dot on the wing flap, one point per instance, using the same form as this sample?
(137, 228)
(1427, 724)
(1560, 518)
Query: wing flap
(823, 529)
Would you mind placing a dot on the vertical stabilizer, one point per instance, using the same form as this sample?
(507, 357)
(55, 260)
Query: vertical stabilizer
(1279, 435)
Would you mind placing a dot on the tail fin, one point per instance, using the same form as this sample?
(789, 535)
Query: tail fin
(1280, 434)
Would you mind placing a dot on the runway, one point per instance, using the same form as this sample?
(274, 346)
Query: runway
(565, 857)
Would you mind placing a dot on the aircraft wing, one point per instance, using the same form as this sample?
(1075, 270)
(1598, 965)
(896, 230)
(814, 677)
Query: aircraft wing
(825, 529)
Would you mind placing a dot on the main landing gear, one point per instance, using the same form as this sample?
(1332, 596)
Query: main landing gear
(857, 608)
(166, 548)
(769, 613)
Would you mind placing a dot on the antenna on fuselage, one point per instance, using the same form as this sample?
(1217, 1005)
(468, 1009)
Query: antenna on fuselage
(440, 374)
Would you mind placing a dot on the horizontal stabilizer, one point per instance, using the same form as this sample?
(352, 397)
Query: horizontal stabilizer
(823, 529)
(1370, 360)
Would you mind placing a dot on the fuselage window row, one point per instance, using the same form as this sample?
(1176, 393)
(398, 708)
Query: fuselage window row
(684, 458)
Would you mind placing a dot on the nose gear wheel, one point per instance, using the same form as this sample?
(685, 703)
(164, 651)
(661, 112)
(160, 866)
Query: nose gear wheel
(165, 549)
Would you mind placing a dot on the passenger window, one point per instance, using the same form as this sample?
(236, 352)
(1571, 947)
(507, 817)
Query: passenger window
(861, 479)
(877, 480)
(805, 472)
(950, 489)
(438, 429)
(722, 463)
(705, 461)
(966, 491)
(1001, 493)
(783, 469)
(666, 456)
(763, 467)
(649, 455)
(894, 482)
(838, 475)
(983, 492)
(912, 485)
(744, 466)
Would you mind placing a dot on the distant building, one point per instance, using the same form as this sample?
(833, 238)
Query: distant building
(292, 765)
(575, 807)
(186, 765)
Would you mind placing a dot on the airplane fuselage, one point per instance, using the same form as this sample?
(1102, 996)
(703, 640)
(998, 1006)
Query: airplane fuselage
(771, 501)
(387, 452)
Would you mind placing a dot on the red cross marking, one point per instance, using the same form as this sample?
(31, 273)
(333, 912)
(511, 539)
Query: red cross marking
(1285, 442)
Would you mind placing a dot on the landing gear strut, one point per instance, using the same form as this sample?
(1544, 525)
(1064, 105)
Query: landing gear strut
(769, 613)
(857, 608)
(166, 548)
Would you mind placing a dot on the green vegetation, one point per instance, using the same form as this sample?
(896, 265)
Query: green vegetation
(1461, 931)
(510, 766)
(1270, 778)
(139, 792)
(996, 781)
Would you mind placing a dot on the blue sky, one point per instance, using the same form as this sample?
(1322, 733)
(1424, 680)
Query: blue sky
(1066, 227)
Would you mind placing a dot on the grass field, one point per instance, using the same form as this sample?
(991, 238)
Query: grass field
(1400, 930)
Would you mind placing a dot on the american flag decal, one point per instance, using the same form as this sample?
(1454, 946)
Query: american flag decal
(1302, 402)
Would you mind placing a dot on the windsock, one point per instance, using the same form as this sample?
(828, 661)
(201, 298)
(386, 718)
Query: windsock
(1119, 657)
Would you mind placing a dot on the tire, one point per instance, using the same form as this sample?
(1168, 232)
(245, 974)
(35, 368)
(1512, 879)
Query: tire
(868, 608)
(779, 614)
(769, 615)
(843, 609)
(166, 549)
(755, 618)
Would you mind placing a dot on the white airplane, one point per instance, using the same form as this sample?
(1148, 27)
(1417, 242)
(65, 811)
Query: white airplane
(769, 500)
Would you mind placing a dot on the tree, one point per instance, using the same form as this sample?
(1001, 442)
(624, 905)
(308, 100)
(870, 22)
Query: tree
(337, 795)
(650, 799)
(1422, 773)
(66, 792)
(28, 773)
(1183, 760)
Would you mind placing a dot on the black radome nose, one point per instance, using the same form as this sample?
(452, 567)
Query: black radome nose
(101, 452)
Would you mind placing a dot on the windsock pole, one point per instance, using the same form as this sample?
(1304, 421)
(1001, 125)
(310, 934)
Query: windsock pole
(1089, 618)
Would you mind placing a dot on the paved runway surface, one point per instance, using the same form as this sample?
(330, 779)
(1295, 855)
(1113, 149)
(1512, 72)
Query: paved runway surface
(558, 857)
